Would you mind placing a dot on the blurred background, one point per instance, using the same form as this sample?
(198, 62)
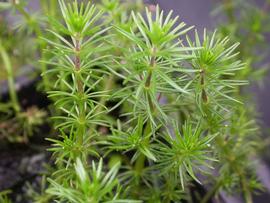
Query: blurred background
(209, 14)
(243, 21)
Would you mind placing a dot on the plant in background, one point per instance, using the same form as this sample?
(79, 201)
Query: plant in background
(31, 25)
(252, 34)
(253, 30)
(17, 52)
(161, 110)
(19, 124)
(15, 45)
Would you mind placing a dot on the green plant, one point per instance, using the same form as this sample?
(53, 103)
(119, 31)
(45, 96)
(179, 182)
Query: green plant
(18, 50)
(166, 117)
(252, 32)
(15, 45)
(19, 124)
(4, 197)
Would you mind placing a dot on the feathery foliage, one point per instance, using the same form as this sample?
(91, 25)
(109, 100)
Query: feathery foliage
(124, 85)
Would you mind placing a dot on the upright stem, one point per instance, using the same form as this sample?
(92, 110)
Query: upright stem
(11, 83)
(246, 192)
(240, 172)
(81, 104)
(149, 78)
(53, 6)
(211, 192)
(49, 7)
(139, 165)
(204, 94)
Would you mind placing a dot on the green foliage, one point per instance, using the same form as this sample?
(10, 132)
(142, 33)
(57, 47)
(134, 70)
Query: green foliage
(216, 65)
(22, 125)
(73, 62)
(133, 139)
(123, 87)
(149, 64)
(4, 197)
(95, 186)
(186, 152)
(251, 32)
(141, 109)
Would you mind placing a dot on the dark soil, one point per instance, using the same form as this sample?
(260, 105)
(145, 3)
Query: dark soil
(22, 164)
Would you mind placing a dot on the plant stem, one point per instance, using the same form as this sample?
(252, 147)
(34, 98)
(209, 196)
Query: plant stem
(11, 83)
(246, 192)
(53, 7)
(49, 7)
(149, 78)
(139, 165)
(204, 94)
(211, 192)
(81, 124)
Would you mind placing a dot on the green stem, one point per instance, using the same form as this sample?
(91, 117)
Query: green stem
(44, 6)
(246, 192)
(240, 172)
(81, 103)
(11, 83)
(139, 165)
(203, 94)
(53, 7)
(49, 7)
(211, 192)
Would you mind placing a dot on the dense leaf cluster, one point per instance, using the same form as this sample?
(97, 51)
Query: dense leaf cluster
(140, 93)
(144, 109)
